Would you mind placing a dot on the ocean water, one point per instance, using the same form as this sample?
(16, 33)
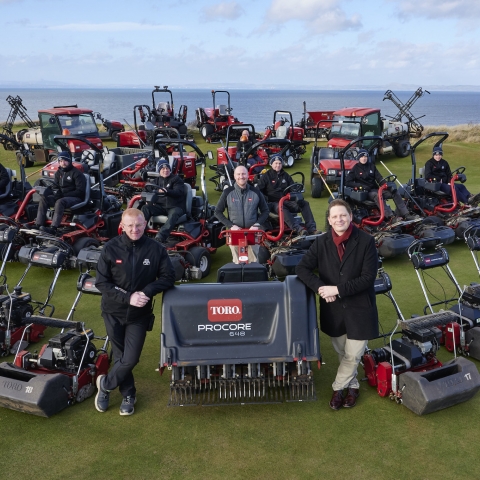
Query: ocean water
(250, 106)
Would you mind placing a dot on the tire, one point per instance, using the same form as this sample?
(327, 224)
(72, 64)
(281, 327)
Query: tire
(114, 135)
(201, 259)
(317, 187)
(289, 161)
(263, 255)
(28, 161)
(84, 242)
(206, 130)
(402, 149)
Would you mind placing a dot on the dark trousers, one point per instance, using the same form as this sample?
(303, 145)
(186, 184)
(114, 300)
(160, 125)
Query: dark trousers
(291, 207)
(462, 193)
(173, 214)
(59, 207)
(127, 339)
(397, 199)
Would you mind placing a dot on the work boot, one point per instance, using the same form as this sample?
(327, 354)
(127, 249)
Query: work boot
(337, 400)
(474, 199)
(102, 398)
(351, 398)
(299, 231)
(126, 408)
(50, 230)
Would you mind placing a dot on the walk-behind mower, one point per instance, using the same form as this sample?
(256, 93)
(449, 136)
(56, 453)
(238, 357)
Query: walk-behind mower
(213, 123)
(280, 130)
(62, 373)
(239, 343)
(439, 208)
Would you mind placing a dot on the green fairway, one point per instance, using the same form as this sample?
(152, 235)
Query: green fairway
(378, 439)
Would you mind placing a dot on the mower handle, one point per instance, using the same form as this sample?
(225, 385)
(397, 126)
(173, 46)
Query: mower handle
(52, 322)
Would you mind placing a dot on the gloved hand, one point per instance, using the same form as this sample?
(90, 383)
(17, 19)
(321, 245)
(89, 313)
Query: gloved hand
(162, 191)
(57, 195)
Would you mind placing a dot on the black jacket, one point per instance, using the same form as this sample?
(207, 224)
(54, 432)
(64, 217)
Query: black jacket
(272, 184)
(438, 171)
(70, 182)
(354, 312)
(365, 176)
(245, 207)
(126, 267)
(4, 179)
(175, 196)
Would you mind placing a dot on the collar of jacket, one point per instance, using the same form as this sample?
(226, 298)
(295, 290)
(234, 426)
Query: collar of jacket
(129, 243)
(240, 190)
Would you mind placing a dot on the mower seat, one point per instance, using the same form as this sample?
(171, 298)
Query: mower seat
(281, 132)
(163, 107)
(188, 209)
(222, 109)
(87, 195)
(8, 189)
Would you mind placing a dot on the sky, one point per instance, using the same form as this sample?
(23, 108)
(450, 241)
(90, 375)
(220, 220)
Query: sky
(261, 43)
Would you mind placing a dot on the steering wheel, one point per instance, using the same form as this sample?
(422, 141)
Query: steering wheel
(458, 170)
(88, 156)
(294, 188)
(151, 188)
(390, 178)
(351, 154)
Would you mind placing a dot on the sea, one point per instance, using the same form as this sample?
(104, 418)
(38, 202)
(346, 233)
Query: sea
(256, 107)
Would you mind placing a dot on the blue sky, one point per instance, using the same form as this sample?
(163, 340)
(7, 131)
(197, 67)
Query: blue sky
(310, 43)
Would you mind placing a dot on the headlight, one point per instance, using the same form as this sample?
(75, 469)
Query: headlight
(332, 171)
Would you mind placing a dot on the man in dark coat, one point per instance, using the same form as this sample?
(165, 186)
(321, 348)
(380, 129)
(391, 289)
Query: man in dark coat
(4, 179)
(347, 262)
(132, 269)
(438, 170)
(171, 201)
(69, 186)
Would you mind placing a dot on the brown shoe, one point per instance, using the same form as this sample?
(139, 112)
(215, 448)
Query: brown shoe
(337, 400)
(351, 398)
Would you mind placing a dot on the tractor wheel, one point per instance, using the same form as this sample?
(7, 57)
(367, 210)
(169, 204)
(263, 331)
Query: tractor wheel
(201, 259)
(28, 161)
(114, 135)
(289, 161)
(402, 149)
(206, 130)
(84, 243)
(317, 187)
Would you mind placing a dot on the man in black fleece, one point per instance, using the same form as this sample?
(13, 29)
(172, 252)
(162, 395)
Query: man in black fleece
(68, 190)
(132, 269)
(170, 203)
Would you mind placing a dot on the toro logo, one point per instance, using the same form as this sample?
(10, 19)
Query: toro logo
(225, 310)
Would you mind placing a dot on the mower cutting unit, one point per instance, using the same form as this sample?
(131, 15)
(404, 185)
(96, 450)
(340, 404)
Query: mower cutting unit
(62, 373)
(240, 343)
(213, 123)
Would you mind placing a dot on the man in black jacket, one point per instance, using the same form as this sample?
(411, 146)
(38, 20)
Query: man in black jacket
(170, 203)
(132, 269)
(272, 183)
(365, 176)
(246, 208)
(68, 190)
(4, 179)
(438, 170)
(346, 263)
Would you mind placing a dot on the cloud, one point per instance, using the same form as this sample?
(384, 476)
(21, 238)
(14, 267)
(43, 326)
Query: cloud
(222, 11)
(438, 9)
(113, 27)
(318, 16)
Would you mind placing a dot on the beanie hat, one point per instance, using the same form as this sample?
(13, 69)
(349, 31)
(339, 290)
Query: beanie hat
(64, 156)
(362, 152)
(437, 150)
(163, 163)
(273, 158)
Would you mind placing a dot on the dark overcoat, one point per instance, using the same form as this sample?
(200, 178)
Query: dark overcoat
(354, 312)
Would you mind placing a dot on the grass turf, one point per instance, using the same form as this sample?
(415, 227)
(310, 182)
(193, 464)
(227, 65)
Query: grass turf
(289, 441)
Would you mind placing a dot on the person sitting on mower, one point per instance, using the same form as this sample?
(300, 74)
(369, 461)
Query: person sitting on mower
(438, 170)
(68, 189)
(365, 176)
(4, 179)
(272, 184)
(171, 201)
(246, 208)
(243, 146)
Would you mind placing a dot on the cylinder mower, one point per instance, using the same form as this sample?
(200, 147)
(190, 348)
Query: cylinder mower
(239, 343)
(62, 373)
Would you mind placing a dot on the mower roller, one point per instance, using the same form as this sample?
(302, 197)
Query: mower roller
(239, 343)
(62, 373)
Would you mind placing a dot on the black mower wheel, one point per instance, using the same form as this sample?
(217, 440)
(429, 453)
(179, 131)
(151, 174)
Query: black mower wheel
(201, 259)
(28, 161)
(84, 243)
(206, 130)
(114, 135)
(402, 149)
(317, 187)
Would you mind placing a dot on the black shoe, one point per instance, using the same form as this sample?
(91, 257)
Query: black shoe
(474, 199)
(127, 406)
(102, 398)
(50, 230)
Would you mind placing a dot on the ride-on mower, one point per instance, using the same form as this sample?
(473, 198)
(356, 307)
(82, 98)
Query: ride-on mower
(212, 123)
